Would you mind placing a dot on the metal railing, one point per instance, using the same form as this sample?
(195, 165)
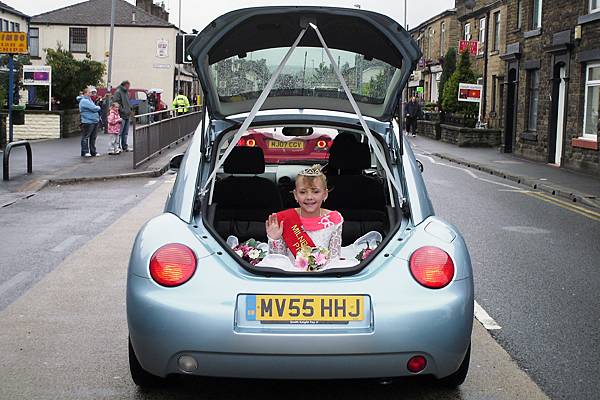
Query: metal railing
(153, 133)
(6, 158)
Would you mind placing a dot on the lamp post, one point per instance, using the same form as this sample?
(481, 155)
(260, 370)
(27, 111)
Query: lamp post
(178, 65)
(110, 48)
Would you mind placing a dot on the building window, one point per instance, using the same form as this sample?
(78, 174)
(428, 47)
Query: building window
(536, 15)
(519, 14)
(467, 31)
(429, 42)
(17, 27)
(481, 37)
(533, 90)
(12, 27)
(592, 101)
(442, 38)
(594, 6)
(5, 26)
(494, 90)
(497, 31)
(34, 42)
(78, 40)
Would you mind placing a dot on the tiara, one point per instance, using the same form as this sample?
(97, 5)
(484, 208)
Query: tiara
(315, 170)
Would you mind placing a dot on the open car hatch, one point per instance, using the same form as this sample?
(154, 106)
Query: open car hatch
(237, 53)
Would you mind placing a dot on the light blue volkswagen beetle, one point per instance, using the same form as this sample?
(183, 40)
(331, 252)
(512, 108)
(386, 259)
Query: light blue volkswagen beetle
(197, 306)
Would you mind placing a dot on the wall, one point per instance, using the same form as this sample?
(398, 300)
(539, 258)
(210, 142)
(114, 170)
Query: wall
(135, 57)
(47, 125)
(467, 137)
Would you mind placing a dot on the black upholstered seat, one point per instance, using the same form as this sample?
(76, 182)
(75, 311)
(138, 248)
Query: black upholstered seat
(243, 203)
(359, 198)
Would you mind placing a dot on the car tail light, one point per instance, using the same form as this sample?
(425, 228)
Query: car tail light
(416, 364)
(250, 142)
(432, 267)
(321, 144)
(242, 142)
(172, 265)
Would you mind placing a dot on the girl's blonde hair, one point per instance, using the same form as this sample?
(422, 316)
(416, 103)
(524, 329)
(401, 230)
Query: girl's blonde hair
(311, 175)
(115, 104)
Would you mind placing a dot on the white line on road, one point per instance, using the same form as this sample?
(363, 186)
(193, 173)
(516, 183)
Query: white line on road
(150, 183)
(485, 319)
(68, 242)
(14, 281)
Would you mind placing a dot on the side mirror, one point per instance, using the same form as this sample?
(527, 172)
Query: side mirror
(175, 162)
(420, 164)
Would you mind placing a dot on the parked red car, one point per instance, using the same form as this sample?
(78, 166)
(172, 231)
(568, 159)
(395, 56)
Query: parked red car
(291, 143)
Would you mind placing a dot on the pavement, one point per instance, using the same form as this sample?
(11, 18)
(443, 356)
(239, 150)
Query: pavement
(58, 161)
(574, 186)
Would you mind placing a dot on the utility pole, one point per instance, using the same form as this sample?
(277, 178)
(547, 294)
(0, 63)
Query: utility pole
(110, 47)
(178, 65)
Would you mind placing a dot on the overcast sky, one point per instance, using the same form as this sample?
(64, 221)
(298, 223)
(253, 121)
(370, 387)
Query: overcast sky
(198, 13)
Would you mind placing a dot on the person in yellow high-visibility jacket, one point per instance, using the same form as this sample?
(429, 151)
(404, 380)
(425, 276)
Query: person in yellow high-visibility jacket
(181, 103)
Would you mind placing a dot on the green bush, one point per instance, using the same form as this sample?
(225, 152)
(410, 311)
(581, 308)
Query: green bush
(463, 74)
(449, 68)
(71, 76)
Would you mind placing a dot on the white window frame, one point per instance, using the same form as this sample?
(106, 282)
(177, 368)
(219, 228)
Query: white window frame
(481, 38)
(497, 16)
(594, 6)
(537, 23)
(588, 83)
(34, 38)
(467, 31)
(442, 38)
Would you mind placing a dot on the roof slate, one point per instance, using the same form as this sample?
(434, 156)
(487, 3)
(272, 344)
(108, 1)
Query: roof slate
(97, 13)
(9, 9)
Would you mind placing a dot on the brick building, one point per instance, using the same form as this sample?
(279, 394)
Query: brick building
(484, 21)
(434, 36)
(553, 82)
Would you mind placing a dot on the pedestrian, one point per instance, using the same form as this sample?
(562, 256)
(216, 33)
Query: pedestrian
(121, 96)
(181, 103)
(412, 112)
(89, 124)
(104, 103)
(114, 129)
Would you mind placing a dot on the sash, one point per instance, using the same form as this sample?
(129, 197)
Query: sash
(293, 235)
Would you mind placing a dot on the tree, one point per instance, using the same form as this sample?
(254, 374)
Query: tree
(463, 74)
(19, 61)
(449, 68)
(71, 76)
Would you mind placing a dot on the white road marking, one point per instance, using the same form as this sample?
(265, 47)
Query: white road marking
(68, 242)
(485, 319)
(150, 183)
(516, 190)
(498, 183)
(14, 281)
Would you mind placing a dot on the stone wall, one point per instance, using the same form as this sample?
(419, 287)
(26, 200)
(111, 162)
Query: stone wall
(430, 129)
(46, 125)
(467, 137)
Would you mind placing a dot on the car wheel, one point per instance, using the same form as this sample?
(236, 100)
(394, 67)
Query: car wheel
(140, 376)
(457, 378)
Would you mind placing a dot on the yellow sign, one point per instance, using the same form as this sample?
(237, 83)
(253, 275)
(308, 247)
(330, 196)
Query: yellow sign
(13, 43)
(290, 308)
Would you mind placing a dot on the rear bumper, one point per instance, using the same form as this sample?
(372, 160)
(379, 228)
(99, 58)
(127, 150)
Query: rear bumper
(163, 327)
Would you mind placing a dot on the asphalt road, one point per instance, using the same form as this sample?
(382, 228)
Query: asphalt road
(40, 231)
(536, 262)
(66, 336)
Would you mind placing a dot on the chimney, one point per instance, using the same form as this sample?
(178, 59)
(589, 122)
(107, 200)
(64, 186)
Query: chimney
(133, 17)
(145, 5)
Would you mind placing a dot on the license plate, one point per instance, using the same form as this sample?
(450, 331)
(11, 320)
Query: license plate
(292, 144)
(304, 309)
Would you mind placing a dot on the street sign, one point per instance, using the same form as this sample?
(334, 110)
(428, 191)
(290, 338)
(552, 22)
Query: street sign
(472, 46)
(13, 43)
(420, 89)
(469, 92)
(37, 75)
(162, 48)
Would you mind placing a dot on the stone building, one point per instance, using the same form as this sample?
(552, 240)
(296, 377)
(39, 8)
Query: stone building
(484, 21)
(553, 82)
(434, 36)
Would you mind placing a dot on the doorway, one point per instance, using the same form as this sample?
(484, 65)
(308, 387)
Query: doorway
(557, 117)
(511, 105)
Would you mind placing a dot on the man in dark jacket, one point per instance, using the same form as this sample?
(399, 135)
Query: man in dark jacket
(412, 111)
(121, 96)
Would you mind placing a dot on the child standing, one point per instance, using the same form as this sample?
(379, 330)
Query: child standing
(114, 128)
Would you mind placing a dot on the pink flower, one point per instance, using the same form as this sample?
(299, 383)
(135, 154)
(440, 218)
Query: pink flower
(320, 259)
(301, 263)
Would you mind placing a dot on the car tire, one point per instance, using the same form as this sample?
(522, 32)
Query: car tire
(457, 378)
(139, 375)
